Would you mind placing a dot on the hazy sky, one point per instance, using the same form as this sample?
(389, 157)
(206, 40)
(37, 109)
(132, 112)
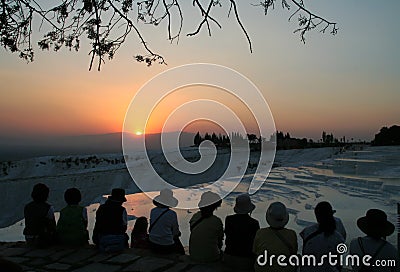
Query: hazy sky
(346, 84)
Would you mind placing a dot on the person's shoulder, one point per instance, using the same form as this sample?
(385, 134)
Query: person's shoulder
(230, 221)
(155, 210)
(216, 218)
(387, 249)
(264, 234)
(29, 204)
(101, 208)
(308, 230)
(289, 231)
(213, 219)
(337, 219)
(235, 218)
(246, 220)
(354, 241)
(264, 231)
(195, 217)
(354, 245)
(171, 215)
(390, 249)
(171, 211)
(340, 236)
(311, 227)
(28, 208)
(254, 221)
(339, 224)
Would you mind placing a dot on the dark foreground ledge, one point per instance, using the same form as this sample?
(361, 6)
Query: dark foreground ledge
(88, 259)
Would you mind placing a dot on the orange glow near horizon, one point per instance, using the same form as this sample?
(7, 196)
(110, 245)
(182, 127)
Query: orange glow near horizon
(76, 107)
(167, 106)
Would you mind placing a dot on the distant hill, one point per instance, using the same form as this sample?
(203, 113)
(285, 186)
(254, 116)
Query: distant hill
(23, 148)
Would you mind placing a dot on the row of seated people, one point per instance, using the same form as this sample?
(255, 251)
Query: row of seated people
(246, 244)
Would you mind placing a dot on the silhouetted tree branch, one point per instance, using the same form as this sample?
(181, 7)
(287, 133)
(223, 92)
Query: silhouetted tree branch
(108, 23)
(307, 20)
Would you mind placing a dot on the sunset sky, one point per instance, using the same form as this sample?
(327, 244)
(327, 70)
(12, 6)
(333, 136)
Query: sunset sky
(348, 84)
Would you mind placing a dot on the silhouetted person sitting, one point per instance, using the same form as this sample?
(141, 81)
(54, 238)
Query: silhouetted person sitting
(72, 225)
(275, 239)
(240, 230)
(164, 229)
(323, 240)
(376, 226)
(139, 236)
(109, 232)
(339, 227)
(40, 224)
(206, 230)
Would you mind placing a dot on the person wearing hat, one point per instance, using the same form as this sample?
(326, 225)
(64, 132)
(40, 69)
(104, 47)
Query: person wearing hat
(206, 231)
(164, 229)
(40, 224)
(314, 227)
(376, 227)
(240, 230)
(109, 232)
(322, 240)
(275, 239)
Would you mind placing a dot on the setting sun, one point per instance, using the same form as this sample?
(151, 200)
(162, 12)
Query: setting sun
(138, 133)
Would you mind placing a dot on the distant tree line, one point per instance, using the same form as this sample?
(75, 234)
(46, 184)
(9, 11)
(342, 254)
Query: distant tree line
(220, 140)
(226, 141)
(283, 140)
(387, 136)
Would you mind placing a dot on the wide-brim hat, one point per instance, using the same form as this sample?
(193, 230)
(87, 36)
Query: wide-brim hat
(375, 224)
(166, 198)
(209, 198)
(243, 204)
(118, 194)
(277, 215)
